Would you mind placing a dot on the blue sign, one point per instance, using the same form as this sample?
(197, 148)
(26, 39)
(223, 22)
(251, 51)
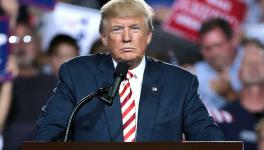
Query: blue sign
(4, 47)
(160, 2)
(46, 4)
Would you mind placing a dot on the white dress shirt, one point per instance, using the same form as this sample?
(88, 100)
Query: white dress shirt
(136, 82)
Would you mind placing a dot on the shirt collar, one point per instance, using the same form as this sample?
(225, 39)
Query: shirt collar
(138, 71)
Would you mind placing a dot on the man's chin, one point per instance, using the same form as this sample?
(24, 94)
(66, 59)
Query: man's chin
(25, 63)
(132, 62)
(127, 59)
(219, 66)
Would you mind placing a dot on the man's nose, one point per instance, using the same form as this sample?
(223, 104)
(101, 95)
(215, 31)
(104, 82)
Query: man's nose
(126, 36)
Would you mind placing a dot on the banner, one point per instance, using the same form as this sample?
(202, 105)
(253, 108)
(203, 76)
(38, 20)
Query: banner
(46, 4)
(4, 47)
(188, 15)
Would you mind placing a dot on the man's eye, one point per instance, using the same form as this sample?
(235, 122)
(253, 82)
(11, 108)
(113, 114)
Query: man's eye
(116, 30)
(135, 27)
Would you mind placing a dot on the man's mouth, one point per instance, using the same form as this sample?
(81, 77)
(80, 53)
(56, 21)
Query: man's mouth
(127, 49)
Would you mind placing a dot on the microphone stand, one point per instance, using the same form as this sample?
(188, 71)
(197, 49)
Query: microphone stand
(101, 93)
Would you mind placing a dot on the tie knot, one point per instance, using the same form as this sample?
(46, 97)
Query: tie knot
(129, 75)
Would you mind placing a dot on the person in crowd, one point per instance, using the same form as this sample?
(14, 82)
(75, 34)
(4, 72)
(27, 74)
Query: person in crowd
(96, 4)
(5, 96)
(247, 111)
(260, 134)
(29, 89)
(61, 49)
(255, 12)
(167, 107)
(173, 48)
(218, 72)
(98, 47)
(10, 8)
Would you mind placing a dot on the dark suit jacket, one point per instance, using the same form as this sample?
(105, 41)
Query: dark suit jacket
(164, 114)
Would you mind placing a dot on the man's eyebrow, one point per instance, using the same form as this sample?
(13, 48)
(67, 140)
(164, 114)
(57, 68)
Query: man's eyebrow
(117, 26)
(134, 25)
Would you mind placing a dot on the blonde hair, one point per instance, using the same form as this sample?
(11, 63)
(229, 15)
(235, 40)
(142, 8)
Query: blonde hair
(126, 8)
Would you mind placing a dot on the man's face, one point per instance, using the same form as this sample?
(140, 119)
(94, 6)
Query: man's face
(252, 68)
(24, 48)
(126, 38)
(63, 53)
(217, 50)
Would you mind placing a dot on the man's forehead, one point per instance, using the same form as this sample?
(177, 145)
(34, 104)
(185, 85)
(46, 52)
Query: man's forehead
(21, 30)
(254, 54)
(252, 49)
(126, 20)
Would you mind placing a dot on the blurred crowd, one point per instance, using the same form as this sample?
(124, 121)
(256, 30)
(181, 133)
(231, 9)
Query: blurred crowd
(229, 65)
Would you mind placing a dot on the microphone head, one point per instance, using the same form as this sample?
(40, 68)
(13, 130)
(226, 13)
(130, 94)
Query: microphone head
(121, 70)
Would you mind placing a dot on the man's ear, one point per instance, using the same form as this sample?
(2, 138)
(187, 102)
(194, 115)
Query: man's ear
(149, 38)
(103, 39)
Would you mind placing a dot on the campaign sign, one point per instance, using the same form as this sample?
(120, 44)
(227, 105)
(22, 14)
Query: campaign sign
(46, 4)
(79, 22)
(4, 48)
(188, 15)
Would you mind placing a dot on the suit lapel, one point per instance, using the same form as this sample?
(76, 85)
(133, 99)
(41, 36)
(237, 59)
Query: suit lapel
(149, 101)
(113, 112)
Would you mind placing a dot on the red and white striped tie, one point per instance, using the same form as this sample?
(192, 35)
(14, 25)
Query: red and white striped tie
(128, 110)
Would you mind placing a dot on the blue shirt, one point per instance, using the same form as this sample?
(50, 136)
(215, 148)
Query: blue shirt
(205, 73)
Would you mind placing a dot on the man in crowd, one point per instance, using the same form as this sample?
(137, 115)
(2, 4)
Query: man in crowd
(27, 92)
(248, 110)
(260, 134)
(218, 73)
(61, 49)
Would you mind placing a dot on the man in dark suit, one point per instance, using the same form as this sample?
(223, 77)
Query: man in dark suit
(156, 102)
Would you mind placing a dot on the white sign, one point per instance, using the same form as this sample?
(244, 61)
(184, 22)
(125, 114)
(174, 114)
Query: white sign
(79, 22)
(3, 39)
(255, 31)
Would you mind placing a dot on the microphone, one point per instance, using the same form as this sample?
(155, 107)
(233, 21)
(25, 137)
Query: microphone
(98, 93)
(119, 75)
(104, 94)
